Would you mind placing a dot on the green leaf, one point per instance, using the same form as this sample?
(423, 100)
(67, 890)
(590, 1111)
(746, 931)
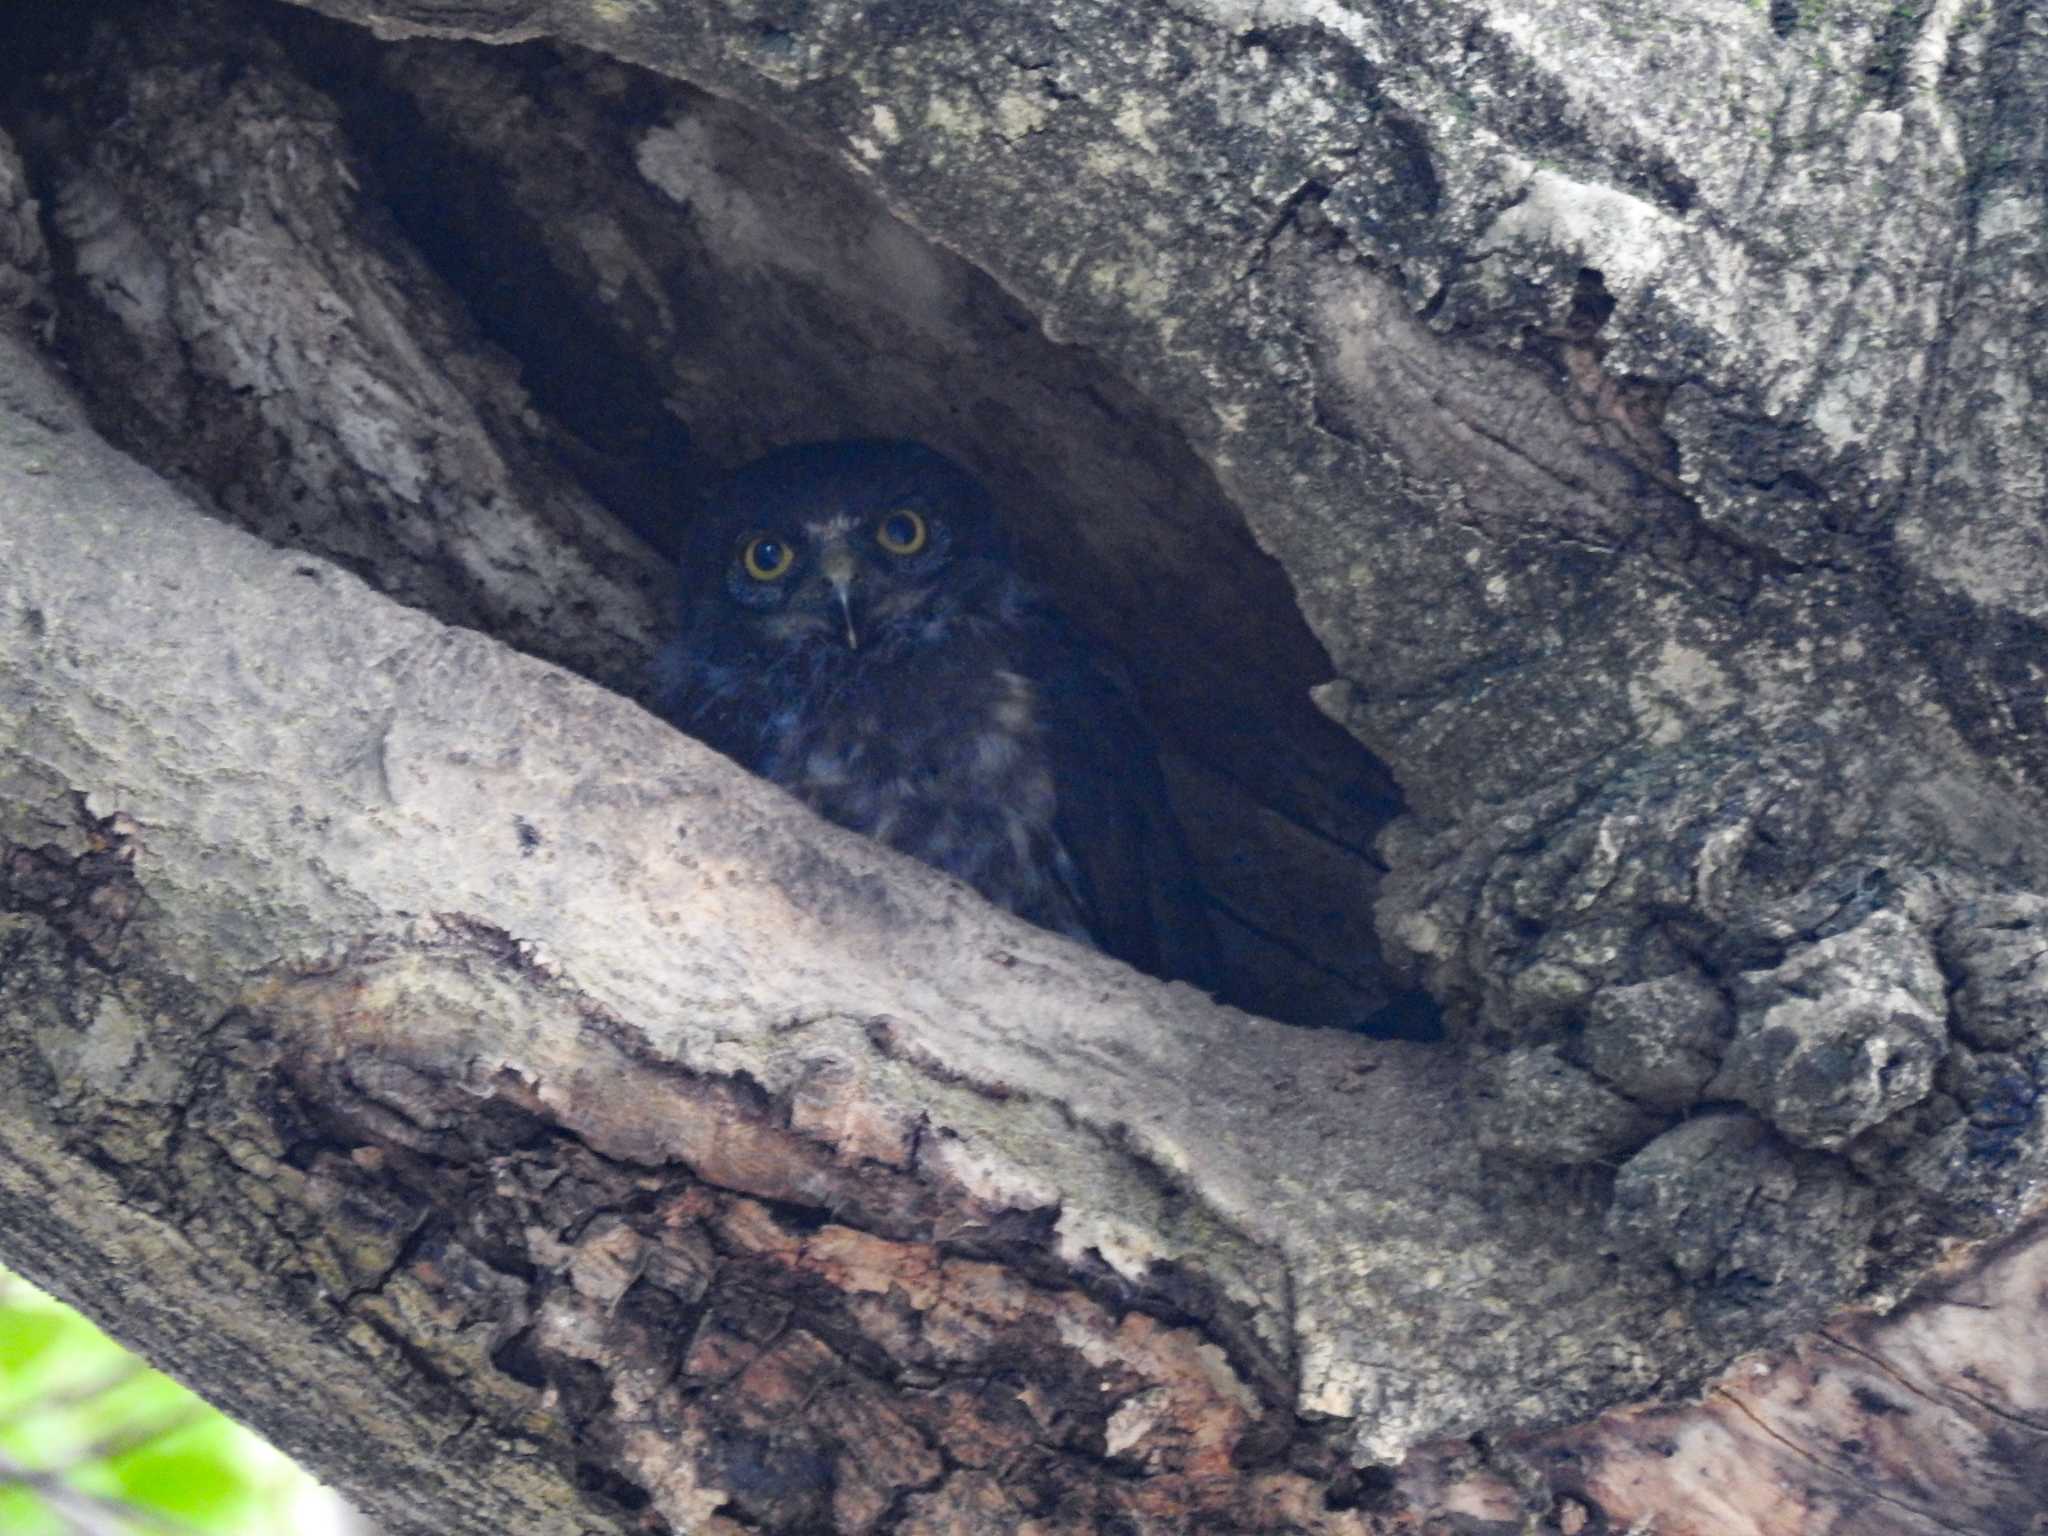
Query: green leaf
(203, 1470)
(200, 1475)
(23, 1514)
(26, 1337)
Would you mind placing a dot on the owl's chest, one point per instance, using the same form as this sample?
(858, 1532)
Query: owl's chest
(941, 757)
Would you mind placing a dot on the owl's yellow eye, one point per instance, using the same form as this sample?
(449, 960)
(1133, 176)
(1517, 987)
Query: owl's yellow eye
(767, 558)
(901, 532)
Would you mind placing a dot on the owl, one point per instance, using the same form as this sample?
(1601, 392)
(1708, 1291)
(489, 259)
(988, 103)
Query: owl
(854, 631)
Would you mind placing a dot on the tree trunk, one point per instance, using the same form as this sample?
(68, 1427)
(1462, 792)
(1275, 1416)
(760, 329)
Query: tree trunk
(1620, 425)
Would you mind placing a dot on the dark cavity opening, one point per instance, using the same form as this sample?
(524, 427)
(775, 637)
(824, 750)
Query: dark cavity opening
(255, 214)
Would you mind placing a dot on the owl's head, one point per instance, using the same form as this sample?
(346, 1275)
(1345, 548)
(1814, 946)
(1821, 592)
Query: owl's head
(842, 543)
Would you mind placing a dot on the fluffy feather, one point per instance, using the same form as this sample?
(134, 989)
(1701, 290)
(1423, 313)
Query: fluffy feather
(931, 699)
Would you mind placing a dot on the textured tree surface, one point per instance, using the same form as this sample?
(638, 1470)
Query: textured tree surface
(1621, 422)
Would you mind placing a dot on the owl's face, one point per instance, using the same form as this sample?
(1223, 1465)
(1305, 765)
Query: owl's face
(843, 544)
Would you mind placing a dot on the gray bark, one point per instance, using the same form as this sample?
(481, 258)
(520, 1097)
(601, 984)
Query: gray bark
(1620, 422)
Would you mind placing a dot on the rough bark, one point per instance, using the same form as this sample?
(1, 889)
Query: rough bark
(529, 1119)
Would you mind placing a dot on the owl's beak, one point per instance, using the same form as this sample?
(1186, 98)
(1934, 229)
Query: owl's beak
(839, 568)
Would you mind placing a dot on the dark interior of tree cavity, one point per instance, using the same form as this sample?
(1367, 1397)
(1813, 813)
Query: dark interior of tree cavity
(681, 285)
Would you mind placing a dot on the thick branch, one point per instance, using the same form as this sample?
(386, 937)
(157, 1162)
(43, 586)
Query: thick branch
(305, 884)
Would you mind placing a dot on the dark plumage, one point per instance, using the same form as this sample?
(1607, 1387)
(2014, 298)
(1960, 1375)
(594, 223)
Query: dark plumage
(853, 631)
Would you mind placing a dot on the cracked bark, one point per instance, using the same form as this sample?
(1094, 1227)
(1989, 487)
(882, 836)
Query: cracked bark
(535, 1124)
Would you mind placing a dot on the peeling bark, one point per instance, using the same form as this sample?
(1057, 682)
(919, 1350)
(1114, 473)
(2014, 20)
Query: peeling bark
(758, 1009)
